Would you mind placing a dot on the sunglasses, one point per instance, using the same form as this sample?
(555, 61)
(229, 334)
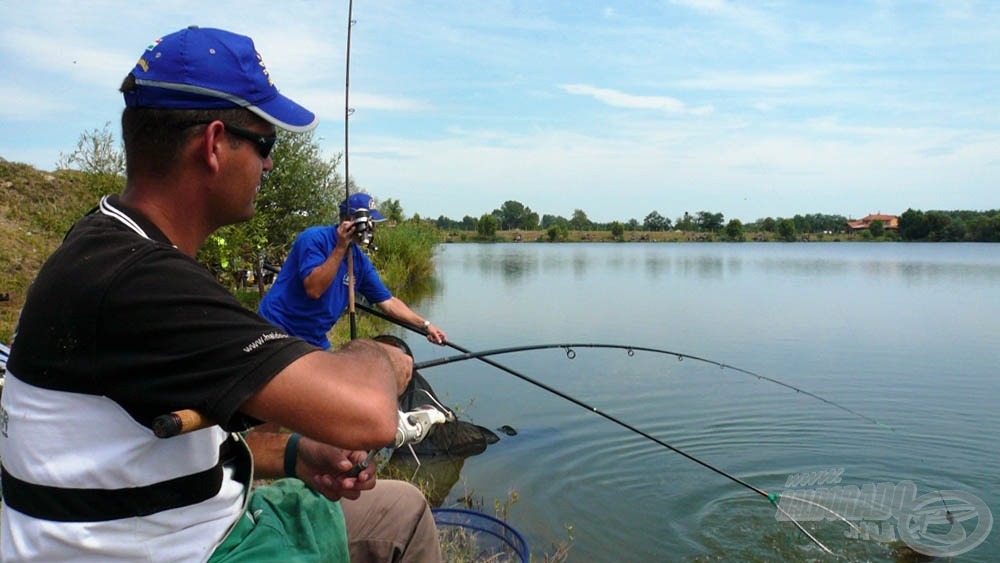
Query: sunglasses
(262, 143)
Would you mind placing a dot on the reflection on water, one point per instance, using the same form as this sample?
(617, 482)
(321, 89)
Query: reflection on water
(905, 333)
(436, 475)
(512, 267)
(717, 260)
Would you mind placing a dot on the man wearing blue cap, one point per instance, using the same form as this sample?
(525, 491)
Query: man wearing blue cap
(312, 289)
(122, 324)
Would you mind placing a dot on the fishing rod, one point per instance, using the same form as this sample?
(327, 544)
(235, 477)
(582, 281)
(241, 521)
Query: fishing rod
(631, 350)
(347, 171)
(773, 498)
(571, 354)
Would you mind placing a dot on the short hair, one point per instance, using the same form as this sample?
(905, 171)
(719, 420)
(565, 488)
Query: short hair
(153, 137)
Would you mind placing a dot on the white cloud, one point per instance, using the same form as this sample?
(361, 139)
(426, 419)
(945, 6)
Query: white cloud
(619, 99)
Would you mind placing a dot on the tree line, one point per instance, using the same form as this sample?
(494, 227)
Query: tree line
(914, 225)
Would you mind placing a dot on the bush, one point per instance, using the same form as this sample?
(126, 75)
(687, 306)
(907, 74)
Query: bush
(405, 254)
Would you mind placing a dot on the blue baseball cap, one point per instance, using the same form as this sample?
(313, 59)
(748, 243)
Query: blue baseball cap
(360, 201)
(205, 68)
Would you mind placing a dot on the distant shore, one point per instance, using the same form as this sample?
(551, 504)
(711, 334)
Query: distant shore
(649, 236)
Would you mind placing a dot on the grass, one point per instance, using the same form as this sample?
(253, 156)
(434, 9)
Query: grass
(36, 210)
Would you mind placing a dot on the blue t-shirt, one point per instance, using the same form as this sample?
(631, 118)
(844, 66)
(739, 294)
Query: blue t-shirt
(288, 306)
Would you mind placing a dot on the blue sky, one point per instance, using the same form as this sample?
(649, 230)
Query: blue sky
(749, 108)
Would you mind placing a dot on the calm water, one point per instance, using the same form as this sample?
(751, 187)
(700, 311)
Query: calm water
(905, 333)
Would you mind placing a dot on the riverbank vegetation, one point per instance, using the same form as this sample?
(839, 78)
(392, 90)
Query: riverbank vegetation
(515, 222)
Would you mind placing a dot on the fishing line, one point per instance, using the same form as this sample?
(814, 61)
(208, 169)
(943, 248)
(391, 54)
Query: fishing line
(773, 498)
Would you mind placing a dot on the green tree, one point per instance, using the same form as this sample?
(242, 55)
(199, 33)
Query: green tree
(709, 222)
(96, 152)
(515, 215)
(617, 231)
(937, 225)
(392, 210)
(786, 230)
(913, 225)
(550, 220)
(819, 223)
(686, 223)
(734, 231)
(655, 222)
(530, 221)
(955, 232)
(768, 225)
(468, 223)
(579, 221)
(557, 232)
(509, 214)
(877, 228)
(487, 226)
(984, 228)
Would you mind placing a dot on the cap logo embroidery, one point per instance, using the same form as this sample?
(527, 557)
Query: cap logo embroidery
(260, 61)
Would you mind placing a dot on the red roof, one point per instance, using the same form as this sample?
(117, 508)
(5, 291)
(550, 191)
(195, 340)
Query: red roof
(888, 221)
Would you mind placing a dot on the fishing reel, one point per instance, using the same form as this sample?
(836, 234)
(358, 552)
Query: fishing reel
(415, 425)
(364, 228)
(411, 428)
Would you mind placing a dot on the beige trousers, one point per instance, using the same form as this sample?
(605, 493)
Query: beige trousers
(391, 523)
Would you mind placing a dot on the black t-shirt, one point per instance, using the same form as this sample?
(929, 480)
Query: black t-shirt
(118, 311)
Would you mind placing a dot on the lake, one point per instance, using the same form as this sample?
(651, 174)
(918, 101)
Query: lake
(908, 334)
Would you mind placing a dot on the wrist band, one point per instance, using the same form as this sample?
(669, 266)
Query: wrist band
(291, 454)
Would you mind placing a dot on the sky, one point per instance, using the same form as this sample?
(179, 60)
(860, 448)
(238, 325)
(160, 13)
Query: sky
(752, 109)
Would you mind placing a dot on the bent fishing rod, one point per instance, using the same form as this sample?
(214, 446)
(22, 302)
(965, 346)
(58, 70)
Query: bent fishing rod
(773, 498)
(484, 355)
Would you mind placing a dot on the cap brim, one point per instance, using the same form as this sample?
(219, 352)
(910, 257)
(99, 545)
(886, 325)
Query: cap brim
(286, 114)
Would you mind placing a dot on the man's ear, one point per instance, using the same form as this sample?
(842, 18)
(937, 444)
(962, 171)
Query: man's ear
(210, 145)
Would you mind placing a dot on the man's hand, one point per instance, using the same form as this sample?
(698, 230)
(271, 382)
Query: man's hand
(435, 335)
(345, 234)
(324, 468)
(319, 279)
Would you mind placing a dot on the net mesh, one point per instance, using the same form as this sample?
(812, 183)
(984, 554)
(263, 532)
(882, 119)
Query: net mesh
(467, 535)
